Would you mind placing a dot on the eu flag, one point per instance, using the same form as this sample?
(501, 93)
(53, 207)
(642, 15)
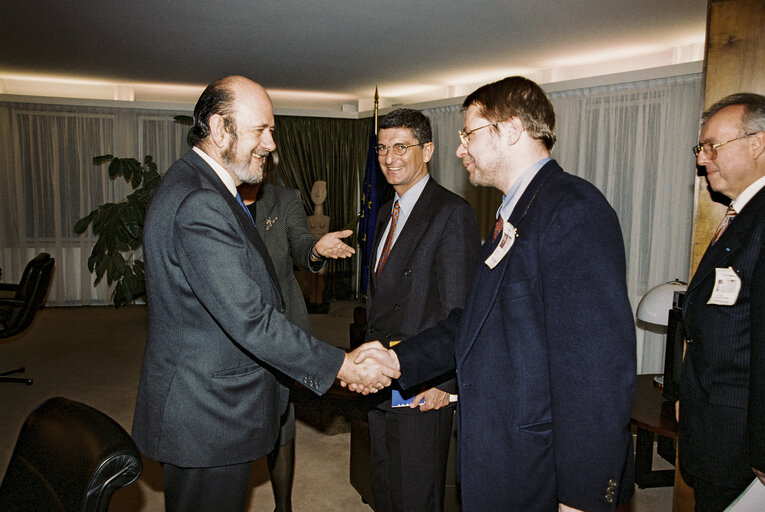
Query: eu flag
(371, 200)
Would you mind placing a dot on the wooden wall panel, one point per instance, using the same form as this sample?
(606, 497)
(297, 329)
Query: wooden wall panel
(735, 62)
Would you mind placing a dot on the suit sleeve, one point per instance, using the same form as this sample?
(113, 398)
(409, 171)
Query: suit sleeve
(229, 277)
(457, 254)
(756, 413)
(591, 348)
(430, 353)
(300, 238)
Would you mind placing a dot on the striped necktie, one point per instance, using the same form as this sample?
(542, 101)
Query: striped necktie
(730, 213)
(388, 240)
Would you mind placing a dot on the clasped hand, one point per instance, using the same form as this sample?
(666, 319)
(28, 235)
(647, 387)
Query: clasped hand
(369, 368)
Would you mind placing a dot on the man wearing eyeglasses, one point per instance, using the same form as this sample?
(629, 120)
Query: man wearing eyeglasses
(426, 243)
(722, 417)
(545, 346)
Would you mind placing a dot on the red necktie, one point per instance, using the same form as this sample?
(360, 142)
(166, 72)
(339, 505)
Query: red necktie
(730, 213)
(497, 229)
(388, 240)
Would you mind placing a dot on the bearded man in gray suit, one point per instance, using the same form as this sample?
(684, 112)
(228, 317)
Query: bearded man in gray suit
(208, 399)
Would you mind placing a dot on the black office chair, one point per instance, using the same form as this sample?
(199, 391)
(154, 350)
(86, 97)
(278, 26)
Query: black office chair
(17, 312)
(69, 457)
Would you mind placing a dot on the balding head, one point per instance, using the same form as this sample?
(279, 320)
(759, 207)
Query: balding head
(223, 97)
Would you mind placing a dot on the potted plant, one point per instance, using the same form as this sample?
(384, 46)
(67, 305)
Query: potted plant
(119, 229)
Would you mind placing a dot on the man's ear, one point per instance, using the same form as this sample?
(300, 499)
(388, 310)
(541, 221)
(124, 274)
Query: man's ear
(218, 133)
(758, 145)
(514, 129)
(427, 151)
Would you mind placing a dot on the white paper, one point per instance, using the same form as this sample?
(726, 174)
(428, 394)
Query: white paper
(751, 500)
(505, 243)
(727, 286)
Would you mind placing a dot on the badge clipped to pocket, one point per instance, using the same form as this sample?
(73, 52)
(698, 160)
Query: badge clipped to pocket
(504, 245)
(727, 286)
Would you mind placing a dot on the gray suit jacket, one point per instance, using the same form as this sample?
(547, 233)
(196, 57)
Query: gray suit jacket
(208, 394)
(427, 273)
(282, 223)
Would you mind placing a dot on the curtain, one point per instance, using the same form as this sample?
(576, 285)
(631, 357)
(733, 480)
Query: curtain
(48, 182)
(633, 142)
(333, 150)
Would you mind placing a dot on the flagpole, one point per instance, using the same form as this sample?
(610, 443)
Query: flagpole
(377, 103)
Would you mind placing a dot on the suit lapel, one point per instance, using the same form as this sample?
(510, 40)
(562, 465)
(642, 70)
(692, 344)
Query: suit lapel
(487, 282)
(737, 233)
(245, 222)
(416, 225)
(383, 215)
(266, 204)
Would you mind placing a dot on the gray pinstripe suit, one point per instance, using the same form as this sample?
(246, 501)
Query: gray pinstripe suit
(208, 395)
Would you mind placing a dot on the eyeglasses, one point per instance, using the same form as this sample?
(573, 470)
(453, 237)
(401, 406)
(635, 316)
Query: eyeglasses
(398, 149)
(710, 150)
(465, 136)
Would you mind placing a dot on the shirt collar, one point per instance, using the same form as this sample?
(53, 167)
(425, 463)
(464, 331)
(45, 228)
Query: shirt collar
(748, 193)
(410, 197)
(222, 173)
(519, 187)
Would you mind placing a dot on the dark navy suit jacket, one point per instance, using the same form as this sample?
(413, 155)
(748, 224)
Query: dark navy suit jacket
(545, 357)
(722, 390)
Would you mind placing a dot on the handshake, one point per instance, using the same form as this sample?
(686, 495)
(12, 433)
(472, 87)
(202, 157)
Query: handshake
(369, 368)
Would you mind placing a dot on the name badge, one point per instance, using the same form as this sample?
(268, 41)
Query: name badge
(727, 286)
(505, 243)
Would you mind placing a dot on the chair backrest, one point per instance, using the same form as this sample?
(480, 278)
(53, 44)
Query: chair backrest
(29, 296)
(69, 457)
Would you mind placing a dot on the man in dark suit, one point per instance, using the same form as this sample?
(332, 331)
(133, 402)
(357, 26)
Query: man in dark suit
(545, 346)
(420, 270)
(722, 390)
(282, 224)
(208, 399)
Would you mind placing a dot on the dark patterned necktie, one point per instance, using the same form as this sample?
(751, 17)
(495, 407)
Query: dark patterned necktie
(497, 229)
(388, 240)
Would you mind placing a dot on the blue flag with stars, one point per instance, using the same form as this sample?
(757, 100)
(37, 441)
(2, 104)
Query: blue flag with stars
(371, 200)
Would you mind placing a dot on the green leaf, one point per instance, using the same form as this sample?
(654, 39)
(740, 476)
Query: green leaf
(98, 160)
(83, 224)
(115, 168)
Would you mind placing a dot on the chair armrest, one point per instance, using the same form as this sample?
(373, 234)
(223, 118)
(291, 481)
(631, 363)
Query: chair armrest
(8, 287)
(11, 302)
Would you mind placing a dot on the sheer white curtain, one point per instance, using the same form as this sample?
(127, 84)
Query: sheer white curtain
(633, 142)
(48, 182)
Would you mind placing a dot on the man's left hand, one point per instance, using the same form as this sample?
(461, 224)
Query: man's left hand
(434, 400)
(330, 245)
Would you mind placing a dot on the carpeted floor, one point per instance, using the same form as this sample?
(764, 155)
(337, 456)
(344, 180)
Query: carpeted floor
(93, 354)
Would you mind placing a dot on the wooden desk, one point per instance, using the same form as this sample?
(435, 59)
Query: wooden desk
(653, 416)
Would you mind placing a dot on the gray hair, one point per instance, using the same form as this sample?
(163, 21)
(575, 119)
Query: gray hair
(753, 120)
